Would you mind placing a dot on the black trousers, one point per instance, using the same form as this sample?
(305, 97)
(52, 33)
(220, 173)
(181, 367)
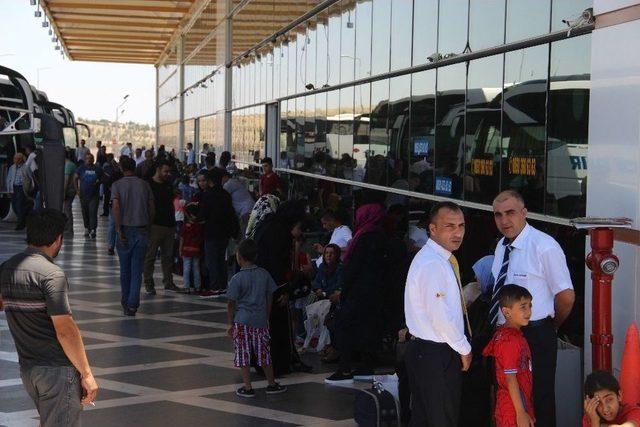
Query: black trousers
(435, 379)
(542, 340)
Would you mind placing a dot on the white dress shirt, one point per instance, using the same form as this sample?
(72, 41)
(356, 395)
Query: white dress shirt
(340, 236)
(432, 301)
(537, 263)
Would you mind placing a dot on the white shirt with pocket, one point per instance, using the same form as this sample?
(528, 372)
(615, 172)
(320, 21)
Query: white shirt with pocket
(432, 302)
(537, 263)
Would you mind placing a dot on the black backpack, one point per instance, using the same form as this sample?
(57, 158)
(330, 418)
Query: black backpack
(375, 407)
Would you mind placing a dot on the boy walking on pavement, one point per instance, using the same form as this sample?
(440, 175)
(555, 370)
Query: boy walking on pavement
(514, 402)
(249, 306)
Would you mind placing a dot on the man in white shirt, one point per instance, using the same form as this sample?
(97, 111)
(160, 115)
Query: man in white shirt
(81, 152)
(340, 233)
(439, 350)
(532, 259)
(127, 150)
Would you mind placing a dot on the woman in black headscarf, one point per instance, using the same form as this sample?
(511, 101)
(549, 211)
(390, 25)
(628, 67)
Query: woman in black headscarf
(276, 236)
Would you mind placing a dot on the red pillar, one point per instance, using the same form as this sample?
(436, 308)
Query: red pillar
(603, 264)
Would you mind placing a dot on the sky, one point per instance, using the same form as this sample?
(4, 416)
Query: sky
(92, 90)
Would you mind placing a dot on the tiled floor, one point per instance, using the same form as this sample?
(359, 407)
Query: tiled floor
(170, 365)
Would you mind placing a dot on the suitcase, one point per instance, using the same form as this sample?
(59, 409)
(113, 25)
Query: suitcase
(376, 407)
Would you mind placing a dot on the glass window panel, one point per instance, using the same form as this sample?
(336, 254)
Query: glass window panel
(321, 145)
(277, 70)
(348, 40)
(309, 131)
(301, 59)
(568, 10)
(381, 38)
(291, 128)
(333, 131)
(270, 81)
(486, 23)
(283, 127)
(333, 58)
(362, 116)
(449, 150)
(379, 134)
(452, 26)
(310, 50)
(322, 53)
(568, 126)
(399, 134)
(345, 130)
(527, 18)
(425, 30)
(300, 122)
(401, 17)
(483, 125)
(293, 63)
(422, 143)
(523, 124)
(363, 39)
(284, 68)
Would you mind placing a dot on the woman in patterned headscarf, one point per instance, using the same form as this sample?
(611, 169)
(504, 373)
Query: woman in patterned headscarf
(266, 205)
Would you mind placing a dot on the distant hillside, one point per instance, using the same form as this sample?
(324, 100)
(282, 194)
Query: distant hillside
(141, 135)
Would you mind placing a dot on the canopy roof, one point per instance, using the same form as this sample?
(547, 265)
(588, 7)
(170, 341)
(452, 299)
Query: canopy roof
(135, 31)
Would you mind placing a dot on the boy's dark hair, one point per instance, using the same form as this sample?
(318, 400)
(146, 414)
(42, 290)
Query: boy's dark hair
(225, 158)
(509, 294)
(267, 160)
(333, 215)
(248, 250)
(215, 176)
(600, 380)
(335, 248)
(44, 226)
(435, 210)
(160, 163)
(210, 160)
(127, 164)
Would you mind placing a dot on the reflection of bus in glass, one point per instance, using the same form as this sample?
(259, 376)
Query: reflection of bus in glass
(518, 154)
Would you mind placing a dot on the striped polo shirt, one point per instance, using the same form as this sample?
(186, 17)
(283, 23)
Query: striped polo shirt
(33, 289)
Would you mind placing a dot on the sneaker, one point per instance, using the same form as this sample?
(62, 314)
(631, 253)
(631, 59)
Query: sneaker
(150, 290)
(129, 311)
(339, 378)
(87, 233)
(276, 389)
(93, 234)
(243, 392)
(171, 287)
(362, 375)
(206, 293)
(111, 251)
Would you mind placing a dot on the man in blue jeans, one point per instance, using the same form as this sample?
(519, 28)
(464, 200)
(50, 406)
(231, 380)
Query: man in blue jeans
(132, 208)
(53, 362)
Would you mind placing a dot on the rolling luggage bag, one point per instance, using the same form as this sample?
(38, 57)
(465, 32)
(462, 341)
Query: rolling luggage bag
(376, 407)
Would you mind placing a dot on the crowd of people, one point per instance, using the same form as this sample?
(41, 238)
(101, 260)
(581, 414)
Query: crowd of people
(377, 281)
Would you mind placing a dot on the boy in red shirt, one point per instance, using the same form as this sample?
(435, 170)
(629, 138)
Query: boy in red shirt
(269, 181)
(603, 403)
(191, 248)
(514, 397)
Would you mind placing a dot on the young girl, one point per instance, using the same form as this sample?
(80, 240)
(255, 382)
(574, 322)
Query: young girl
(190, 248)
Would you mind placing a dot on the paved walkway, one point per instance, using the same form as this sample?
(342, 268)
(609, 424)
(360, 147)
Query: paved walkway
(170, 365)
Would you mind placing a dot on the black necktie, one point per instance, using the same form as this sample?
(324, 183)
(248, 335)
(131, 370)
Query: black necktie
(500, 281)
